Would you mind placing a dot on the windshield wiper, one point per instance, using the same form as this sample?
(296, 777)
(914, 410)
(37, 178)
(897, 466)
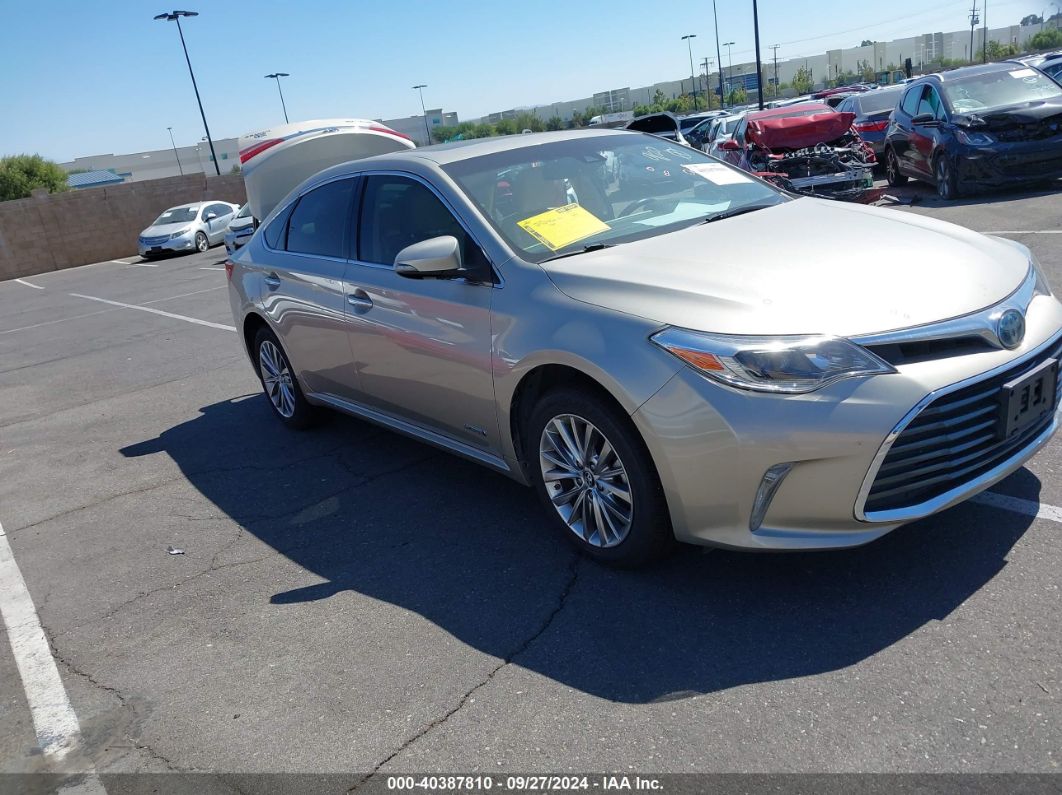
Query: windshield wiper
(584, 250)
(737, 211)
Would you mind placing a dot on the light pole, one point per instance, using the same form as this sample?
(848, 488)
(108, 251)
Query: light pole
(718, 56)
(420, 90)
(276, 76)
(729, 64)
(175, 16)
(759, 66)
(688, 38)
(179, 166)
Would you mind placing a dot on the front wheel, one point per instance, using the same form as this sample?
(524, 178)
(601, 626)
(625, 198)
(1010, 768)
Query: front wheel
(947, 187)
(201, 242)
(596, 480)
(892, 169)
(279, 382)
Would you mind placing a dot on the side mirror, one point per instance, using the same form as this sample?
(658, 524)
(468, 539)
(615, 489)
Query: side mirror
(211, 216)
(925, 120)
(436, 257)
(730, 145)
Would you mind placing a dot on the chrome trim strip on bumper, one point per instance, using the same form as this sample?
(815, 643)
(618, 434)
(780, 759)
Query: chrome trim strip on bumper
(981, 482)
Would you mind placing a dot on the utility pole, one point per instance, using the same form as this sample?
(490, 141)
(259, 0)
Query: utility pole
(974, 19)
(984, 39)
(707, 101)
(775, 47)
(688, 38)
(179, 166)
(420, 89)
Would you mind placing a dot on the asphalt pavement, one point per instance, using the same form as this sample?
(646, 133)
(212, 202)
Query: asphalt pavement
(349, 601)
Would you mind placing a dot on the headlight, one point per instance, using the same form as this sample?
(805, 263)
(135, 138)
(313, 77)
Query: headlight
(974, 138)
(182, 233)
(790, 365)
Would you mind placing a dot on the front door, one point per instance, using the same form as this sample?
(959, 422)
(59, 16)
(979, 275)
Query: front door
(422, 346)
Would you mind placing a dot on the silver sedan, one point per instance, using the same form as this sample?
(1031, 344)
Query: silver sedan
(188, 227)
(682, 359)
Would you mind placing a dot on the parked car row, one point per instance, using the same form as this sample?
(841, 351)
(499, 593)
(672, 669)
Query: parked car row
(188, 227)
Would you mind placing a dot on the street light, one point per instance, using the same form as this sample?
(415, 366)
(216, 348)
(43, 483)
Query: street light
(688, 38)
(420, 90)
(179, 166)
(730, 64)
(175, 16)
(718, 55)
(276, 76)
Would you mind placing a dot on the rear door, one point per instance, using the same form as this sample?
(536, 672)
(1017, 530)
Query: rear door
(899, 136)
(303, 293)
(925, 138)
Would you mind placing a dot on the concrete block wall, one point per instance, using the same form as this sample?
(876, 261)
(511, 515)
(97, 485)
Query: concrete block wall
(63, 230)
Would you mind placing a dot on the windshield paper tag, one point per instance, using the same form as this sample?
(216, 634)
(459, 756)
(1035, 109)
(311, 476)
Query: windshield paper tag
(1023, 73)
(717, 173)
(562, 226)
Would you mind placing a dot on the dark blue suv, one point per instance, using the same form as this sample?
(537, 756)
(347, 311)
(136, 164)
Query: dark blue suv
(977, 127)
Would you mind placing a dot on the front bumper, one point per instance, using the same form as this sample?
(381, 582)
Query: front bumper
(152, 248)
(1006, 164)
(713, 446)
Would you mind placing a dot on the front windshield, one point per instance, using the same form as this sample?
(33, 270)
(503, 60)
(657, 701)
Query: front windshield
(563, 196)
(178, 215)
(245, 211)
(978, 93)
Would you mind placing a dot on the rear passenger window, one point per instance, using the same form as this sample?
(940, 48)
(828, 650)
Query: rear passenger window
(319, 222)
(275, 233)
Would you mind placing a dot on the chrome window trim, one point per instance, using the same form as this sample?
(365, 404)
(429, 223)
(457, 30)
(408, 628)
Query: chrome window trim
(969, 488)
(981, 323)
(446, 203)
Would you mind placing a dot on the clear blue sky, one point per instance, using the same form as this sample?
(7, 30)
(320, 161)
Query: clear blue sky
(83, 78)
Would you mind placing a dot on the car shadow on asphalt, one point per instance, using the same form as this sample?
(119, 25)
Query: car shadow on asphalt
(370, 511)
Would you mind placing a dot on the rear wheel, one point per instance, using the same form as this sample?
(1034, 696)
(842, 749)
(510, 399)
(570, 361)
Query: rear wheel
(947, 187)
(596, 480)
(892, 169)
(201, 242)
(279, 382)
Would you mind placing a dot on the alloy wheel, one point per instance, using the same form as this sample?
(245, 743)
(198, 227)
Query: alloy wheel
(943, 179)
(276, 378)
(891, 168)
(586, 481)
(201, 242)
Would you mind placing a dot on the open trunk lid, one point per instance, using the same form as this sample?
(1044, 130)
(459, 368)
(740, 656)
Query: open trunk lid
(275, 161)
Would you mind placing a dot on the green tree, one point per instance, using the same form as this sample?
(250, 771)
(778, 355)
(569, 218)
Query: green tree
(528, 121)
(484, 131)
(554, 123)
(578, 119)
(506, 127)
(866, 43)
(1044, 40)
(1032, 19)
(737, 96)
(21, 174)
(997, 51)
(659, 97)
(802, 81)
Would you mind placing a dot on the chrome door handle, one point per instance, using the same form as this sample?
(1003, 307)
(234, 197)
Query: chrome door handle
(359, 299)
(272, 281)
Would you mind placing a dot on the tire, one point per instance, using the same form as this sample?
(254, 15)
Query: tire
(201, 242)
(279, 383)
(624, 532)
(944, 175)
(892, 169)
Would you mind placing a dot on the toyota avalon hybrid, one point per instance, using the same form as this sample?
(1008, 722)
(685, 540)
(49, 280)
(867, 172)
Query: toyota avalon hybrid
(680, 360)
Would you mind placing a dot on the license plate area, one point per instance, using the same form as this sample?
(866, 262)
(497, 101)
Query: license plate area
(1028, 399)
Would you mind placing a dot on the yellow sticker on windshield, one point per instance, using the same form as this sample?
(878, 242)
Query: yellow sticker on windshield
(562, 226)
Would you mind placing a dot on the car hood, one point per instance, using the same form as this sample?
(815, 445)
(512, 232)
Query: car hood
(807, 266)
(237, 224)
(1025, 113)
(166, 229)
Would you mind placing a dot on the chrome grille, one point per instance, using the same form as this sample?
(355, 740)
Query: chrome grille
(953, 440)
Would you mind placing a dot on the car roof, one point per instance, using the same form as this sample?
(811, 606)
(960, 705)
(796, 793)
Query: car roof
(454, 151)
(966, 71)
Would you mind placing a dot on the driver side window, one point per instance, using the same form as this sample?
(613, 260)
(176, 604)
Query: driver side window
(397, 212)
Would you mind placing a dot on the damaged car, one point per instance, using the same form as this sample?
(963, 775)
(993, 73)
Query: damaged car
(978, 127)
(808, 148)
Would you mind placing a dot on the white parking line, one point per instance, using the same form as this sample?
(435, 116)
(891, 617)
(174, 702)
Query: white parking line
(28, 284)
(185, 318)
(54, 720)
(1018, 505)
(137, 264)
(1026, 232)
(211, 269)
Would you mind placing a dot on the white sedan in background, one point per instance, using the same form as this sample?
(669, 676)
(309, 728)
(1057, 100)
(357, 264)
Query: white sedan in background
(188, 227)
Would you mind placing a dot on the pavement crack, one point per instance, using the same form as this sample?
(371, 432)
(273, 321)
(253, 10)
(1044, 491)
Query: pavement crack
(547, 622)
